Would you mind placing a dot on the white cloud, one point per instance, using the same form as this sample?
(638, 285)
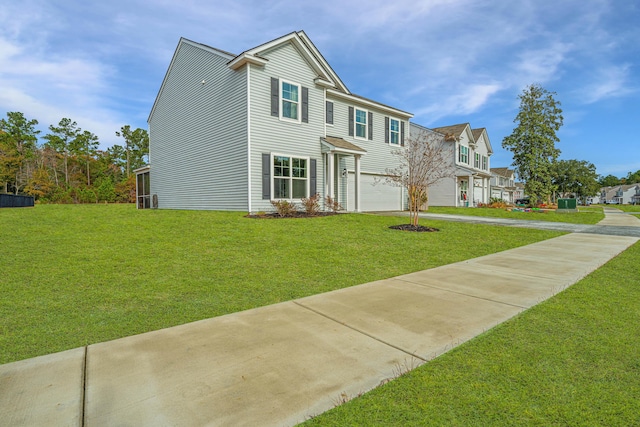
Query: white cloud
(540, 65)
(464, 100)
(610, 81)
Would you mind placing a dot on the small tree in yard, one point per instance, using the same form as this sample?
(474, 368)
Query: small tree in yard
(423, 161)
(532, 142)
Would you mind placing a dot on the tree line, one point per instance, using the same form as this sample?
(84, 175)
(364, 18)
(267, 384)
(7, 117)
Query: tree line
(65, 165)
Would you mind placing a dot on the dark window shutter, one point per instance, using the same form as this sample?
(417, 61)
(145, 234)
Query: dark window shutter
(329, 118)
(350, 121)
(386, 129)
(370, 125)
(275, 97)
(313, 178)
(305, 105)
(402, 133)
(266, 176)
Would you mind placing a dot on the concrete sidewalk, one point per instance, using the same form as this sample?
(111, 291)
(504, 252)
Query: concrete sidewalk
(281, 364)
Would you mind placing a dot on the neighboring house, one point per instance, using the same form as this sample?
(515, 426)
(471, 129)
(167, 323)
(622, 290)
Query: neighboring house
(518, 193)
(620, 194)
(503, 185)
(626, 193)
(635, 199)
(233, 132)
(472, 151)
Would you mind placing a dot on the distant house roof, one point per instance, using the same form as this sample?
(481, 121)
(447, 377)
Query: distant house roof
(452, 132)
(505, 172)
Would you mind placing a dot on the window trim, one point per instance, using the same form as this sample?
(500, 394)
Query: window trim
(476, 160)
(282, 101)
(460, 154)
(291, 178)
(398, 132)
(464, 190)
(355, 123)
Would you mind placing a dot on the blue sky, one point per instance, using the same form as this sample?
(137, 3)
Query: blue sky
(447, 61)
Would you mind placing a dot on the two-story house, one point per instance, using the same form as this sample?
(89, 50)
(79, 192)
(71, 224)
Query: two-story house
(233, 132)
(503, 184)
(625, 194)
(471, 154)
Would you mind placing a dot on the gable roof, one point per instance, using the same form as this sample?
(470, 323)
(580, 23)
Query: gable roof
(480, 132)
(327, 77)
(219, 52)
(454, 132)
(341, 145)
(299, 39)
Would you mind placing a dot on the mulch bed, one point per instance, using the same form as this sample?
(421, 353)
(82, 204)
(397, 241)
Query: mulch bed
(417, 228)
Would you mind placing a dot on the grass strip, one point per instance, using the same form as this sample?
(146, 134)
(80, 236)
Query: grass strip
(583, 216)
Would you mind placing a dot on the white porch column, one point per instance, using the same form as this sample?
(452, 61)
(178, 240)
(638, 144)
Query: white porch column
(357, 183)
(330, 174)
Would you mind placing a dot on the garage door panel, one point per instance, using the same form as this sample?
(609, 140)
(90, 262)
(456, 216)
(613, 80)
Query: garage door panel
(375, 195)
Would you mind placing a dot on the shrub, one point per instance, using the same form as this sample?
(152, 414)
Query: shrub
(284, 207)
(332, 204)
(311, 204)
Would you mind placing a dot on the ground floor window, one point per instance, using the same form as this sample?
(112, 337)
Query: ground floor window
(290, 177)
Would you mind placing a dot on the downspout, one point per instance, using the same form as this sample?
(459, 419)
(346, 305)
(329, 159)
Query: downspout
(249, 137)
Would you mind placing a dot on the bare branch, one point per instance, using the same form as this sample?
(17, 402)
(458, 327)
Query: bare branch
(423, 161)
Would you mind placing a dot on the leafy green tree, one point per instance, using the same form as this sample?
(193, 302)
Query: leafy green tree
(85, 146)
(610, 181)
(576, 176)
(136, 148)
(533, 140)
(18, 145)
(633, 178)
(61, 139)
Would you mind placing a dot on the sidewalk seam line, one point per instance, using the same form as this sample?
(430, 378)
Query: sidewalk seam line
(84, 387)
(359, 331)
(461, 293)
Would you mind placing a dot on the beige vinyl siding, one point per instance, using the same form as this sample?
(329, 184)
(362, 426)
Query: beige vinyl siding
(198, 132)
(269, 134)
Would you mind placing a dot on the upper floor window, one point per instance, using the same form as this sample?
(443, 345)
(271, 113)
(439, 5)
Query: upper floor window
(394, 132)
(476, 161)
(463, 154)
(485, 163)
(361, 123)
(290, 101)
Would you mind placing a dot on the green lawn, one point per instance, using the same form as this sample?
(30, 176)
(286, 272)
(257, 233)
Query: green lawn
(586, 215)
(573, 360)
(79, 274)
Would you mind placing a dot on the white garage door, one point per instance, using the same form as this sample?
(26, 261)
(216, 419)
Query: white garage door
(477, 194)
(374, 196)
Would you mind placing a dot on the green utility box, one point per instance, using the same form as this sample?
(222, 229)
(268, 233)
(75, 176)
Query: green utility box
(568, 205)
